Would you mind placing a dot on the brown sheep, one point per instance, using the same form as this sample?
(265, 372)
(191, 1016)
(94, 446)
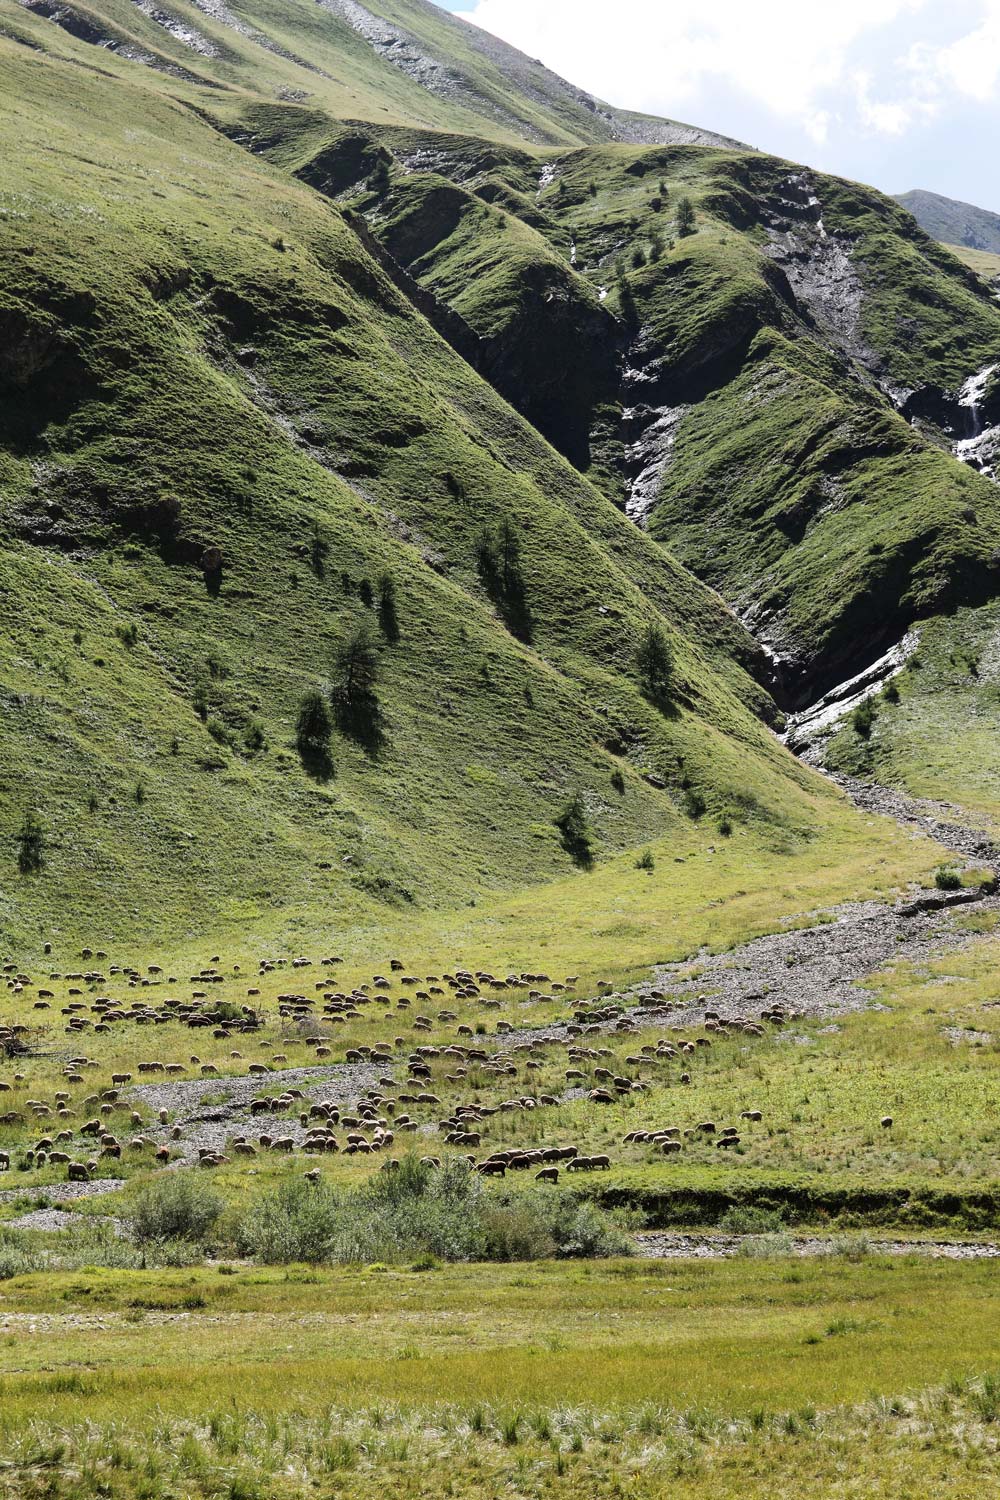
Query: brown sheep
(77, 1171)
(547, 1174)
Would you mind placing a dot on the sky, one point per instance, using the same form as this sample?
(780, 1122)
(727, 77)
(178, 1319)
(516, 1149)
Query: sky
(897, 93)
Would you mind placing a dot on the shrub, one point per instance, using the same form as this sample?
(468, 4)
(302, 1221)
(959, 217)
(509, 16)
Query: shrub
(15, 1258)
(654, 661)
(947, 879)
(296, 1222)
(891, 693)
(575, 830)
(726, 826)
(423, 1215)
(646, 861)
(863, 719)
(618, 782)
(30, 844)
(694, 803)
(176, 1207)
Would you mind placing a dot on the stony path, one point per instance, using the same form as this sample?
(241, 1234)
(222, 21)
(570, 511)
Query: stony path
(671, 1245)
(208, 1124)
(942, 821)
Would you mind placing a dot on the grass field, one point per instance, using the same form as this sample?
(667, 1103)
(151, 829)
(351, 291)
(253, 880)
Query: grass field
(747, 1377)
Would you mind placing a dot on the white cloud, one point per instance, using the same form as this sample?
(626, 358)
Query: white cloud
(875, 65)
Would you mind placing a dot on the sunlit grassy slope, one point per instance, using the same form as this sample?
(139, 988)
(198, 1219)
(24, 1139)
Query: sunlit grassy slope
(200, 355)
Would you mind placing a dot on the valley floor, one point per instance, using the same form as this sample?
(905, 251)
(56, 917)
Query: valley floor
(814, 1310)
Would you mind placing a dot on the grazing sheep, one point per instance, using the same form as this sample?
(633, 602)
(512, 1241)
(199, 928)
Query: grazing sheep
(4, 1161)
(886, 1122)
(77, 1172)
(547, 1174)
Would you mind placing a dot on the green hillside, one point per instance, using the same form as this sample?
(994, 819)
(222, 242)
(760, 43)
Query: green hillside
(264, 370)
(954, 222)
(223, 429)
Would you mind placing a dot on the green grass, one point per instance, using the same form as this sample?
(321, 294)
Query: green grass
(936, 739)
(703, 1376)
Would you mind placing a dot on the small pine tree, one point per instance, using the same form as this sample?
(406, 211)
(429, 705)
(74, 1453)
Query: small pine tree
(313, 726)
(686, 223)
(381, 179)
(575, 830)
(355, 699)
(388, 617)
(498, 560)
(30, 844)
(654, 660)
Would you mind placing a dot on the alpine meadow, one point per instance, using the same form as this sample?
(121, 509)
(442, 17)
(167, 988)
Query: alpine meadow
(500, 652)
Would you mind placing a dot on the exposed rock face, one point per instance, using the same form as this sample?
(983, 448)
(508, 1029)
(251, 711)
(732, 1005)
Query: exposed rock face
(180, 30)
(818, 266)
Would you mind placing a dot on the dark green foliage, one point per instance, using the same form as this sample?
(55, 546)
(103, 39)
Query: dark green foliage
(425, 1213)
(30, 844)
(380, 181)
(726, 826)
(388, 617)
(891, 692)
(498, 561)
(176, 1206)
(947, 879)
(574, 828)
(863, 718)
(618, 782)
(355, 698)
(654, 660)
(638, 258)
(646, 861)
(313, 729)
(686, 222)
(694, 803)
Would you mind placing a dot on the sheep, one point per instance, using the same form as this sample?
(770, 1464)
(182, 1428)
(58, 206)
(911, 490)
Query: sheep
(77, 1171)
(4, 1161)
(886, 1122)
(547, 1174)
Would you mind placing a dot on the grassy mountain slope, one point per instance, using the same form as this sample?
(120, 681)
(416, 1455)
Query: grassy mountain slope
(747, 389)
(211, 360)
(953, 222)
(405, 61)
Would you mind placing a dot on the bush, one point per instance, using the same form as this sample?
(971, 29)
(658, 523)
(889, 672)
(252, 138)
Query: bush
(863, 719)
(575, 830)
(15, 1259)
(296, 1222)
(423, 1214)
(176, 1207)
(646, 861)
(947, 879)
